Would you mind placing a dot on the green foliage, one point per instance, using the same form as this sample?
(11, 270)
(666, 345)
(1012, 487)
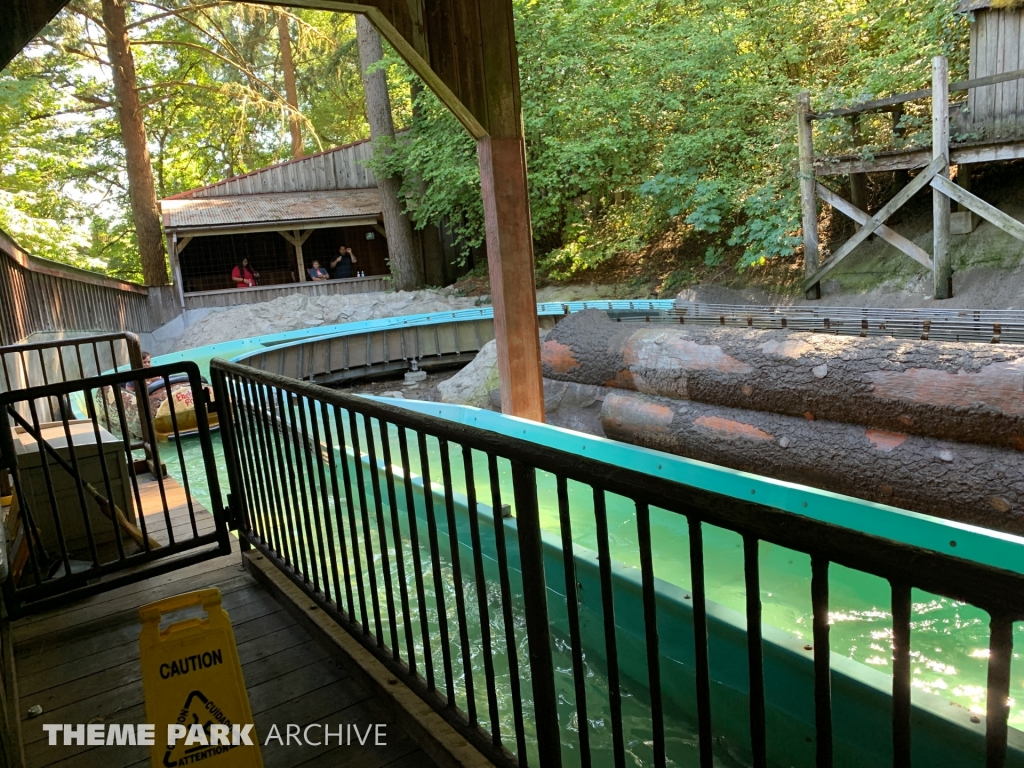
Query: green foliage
(641, 116)
(436, 160)
(212, 88)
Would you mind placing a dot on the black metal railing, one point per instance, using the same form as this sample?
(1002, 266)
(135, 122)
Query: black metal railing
(86, 514)
(386, 518)
(41, 363)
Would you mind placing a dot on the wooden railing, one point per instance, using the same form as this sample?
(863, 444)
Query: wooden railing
(231, 297)
(935, 164)
(39, 296)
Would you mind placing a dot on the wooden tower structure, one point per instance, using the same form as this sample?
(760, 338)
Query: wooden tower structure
(997, 33)
(987, 126)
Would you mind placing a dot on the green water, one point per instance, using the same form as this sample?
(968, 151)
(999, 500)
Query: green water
(949, 639)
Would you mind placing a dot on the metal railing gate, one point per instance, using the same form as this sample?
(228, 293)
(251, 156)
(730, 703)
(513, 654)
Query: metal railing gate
(90, 512)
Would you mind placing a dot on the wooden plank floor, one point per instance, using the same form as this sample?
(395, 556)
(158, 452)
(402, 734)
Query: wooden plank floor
(80, 663)
(153, 501)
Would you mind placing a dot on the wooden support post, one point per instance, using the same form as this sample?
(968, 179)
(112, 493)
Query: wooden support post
(297, 238)
(298, 255)
(963, 220)
(808, 199)
(513, 285)
(963, 179)
(174, 248)
(858, 181)
(902, 176)
(942, 270)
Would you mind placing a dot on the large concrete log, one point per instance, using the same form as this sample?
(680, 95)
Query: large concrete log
(953, 391)
(975, 484)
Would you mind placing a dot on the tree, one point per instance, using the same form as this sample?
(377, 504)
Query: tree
(430, 236)
(141, 189)
(640, 117)
(405, 261)
(288, 69)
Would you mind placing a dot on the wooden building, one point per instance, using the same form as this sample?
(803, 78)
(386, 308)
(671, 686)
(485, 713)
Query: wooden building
(997, 31)
(282, 218)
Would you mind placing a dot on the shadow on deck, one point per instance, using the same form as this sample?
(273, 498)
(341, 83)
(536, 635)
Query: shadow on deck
(80, 663)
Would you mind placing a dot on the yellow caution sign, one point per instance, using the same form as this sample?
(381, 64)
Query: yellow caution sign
(195, 694)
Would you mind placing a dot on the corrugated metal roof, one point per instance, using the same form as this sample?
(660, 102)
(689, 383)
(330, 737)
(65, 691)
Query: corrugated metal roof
(969, 6)
(270, 208)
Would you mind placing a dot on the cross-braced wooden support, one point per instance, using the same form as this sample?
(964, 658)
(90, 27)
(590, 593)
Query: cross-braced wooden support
(935, 175)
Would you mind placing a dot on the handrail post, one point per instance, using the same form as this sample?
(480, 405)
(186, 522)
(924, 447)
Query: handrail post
(808, 197)
(141, 401)
(942, 267)
(237, 511)
(538, 632)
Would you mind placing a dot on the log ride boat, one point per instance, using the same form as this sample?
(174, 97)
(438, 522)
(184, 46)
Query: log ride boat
(184, 416)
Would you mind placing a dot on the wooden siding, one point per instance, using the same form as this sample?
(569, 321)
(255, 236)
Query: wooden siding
(233, 297)
(996, 111)
(46, 297)
(341, 168)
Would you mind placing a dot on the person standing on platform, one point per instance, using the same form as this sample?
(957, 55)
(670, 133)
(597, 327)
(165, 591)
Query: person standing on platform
(244, 275)
(342, 264)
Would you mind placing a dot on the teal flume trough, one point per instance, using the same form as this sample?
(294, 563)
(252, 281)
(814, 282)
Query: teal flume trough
(943, 733)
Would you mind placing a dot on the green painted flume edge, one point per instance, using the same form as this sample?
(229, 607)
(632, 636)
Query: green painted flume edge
(236, 351)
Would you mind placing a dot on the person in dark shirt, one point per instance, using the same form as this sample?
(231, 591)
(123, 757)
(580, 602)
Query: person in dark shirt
(318, 273)
(342, 264)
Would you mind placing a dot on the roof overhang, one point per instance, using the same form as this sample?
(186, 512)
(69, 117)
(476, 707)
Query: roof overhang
(275, 227)
(271, 212)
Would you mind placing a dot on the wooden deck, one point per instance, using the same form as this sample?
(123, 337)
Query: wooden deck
(80, 663)
(919, 157)
(178, 511)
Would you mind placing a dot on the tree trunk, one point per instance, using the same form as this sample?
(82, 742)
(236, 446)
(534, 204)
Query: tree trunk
(288, 67)
(433, 256)
(973, 484)
(405, 258)
(141, 190)
(952, 391)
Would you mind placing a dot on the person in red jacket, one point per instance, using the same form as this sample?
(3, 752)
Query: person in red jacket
(244, 275)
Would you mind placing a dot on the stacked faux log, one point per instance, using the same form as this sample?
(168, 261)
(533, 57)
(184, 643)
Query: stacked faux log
(935, 427)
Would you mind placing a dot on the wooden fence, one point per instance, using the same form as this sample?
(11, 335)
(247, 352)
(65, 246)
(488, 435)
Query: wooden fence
(233, 297)
(934, 174)
(38, 296)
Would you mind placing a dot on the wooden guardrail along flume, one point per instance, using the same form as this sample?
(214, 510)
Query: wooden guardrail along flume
(970, 393)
